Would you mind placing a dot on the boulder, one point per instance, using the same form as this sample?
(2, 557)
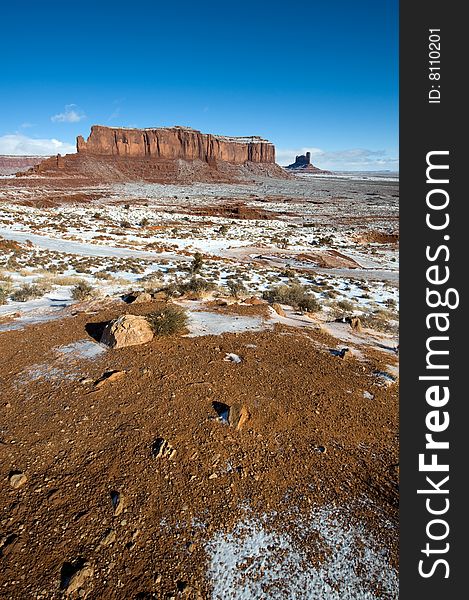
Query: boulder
(279, 310)
(139, 298)
(254, 301)
(127, 330)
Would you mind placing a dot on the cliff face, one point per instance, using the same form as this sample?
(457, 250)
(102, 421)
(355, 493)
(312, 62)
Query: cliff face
(175, 143)
(163, 155)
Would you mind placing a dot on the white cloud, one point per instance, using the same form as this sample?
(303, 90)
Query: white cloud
(354, 159)
(18, 144)
(71, 114)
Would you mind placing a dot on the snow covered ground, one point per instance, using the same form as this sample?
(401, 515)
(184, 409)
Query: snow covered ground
(319, 233)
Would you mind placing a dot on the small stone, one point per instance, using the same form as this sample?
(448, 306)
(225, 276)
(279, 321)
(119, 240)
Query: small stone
(238, 416)
(162, 449)
(213, 476)
(254, 301)
(108, 538)
(78, 579)
(108, 377)
(355, 323)
(231, 357)
(17, 479)
(118, 503)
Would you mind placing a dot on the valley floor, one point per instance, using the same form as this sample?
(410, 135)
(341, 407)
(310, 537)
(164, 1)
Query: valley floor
(138, 485)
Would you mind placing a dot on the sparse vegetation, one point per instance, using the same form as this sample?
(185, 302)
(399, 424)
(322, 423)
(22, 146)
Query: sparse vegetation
(5, 291)
(82, 291)
(236, 288)
(294, 295)
(197, 285)
(168, 320)
(346, 305)
(29, 291)
(197, 263)
(385, 321)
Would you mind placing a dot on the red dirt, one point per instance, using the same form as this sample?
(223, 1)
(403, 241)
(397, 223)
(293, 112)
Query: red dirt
(77, 445)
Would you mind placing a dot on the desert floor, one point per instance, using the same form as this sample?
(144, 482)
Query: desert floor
(141, 485)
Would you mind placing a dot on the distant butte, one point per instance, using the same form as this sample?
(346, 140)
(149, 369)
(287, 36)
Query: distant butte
(303, 164)
(163, 155)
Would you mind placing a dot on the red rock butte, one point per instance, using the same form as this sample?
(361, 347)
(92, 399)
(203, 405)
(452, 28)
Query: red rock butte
(165, 155)
(176, 142)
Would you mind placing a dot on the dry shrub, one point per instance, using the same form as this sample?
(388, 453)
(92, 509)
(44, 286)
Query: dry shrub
(168, 320)
(82, 291)
(293, 294)
(29, 291)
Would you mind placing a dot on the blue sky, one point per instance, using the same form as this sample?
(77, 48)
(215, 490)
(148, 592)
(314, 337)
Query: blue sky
(318, 76)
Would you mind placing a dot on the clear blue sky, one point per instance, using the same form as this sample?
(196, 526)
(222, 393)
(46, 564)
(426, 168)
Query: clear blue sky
(306, 75)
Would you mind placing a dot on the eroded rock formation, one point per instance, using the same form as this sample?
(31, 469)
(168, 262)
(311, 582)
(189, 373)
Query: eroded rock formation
(163, 155)
(175, 142)
(303, 164)
(9, 165)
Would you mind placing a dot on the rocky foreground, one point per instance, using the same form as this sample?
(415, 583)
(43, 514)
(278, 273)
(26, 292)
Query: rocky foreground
(127, 472)
(247, 451)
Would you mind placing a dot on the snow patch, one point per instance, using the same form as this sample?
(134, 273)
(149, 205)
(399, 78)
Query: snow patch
(253, 563)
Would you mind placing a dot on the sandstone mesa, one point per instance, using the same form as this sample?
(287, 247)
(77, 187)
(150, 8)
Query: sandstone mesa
(163, 155)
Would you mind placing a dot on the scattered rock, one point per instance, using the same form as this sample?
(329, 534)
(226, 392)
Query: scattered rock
(8, 543)
(320, 449)
(108, 377)
(221, 302)
(231, 357)
(367, 395)
(254, 301)
(108, 538)
(160, 296)
(238, 416)
(138, 298)
(74, 576)
(235, 416)
(127, 330)
(342, 353)
(118, 502)
(162, 449)
(279, 310)
(385, 378)
(17, 479)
